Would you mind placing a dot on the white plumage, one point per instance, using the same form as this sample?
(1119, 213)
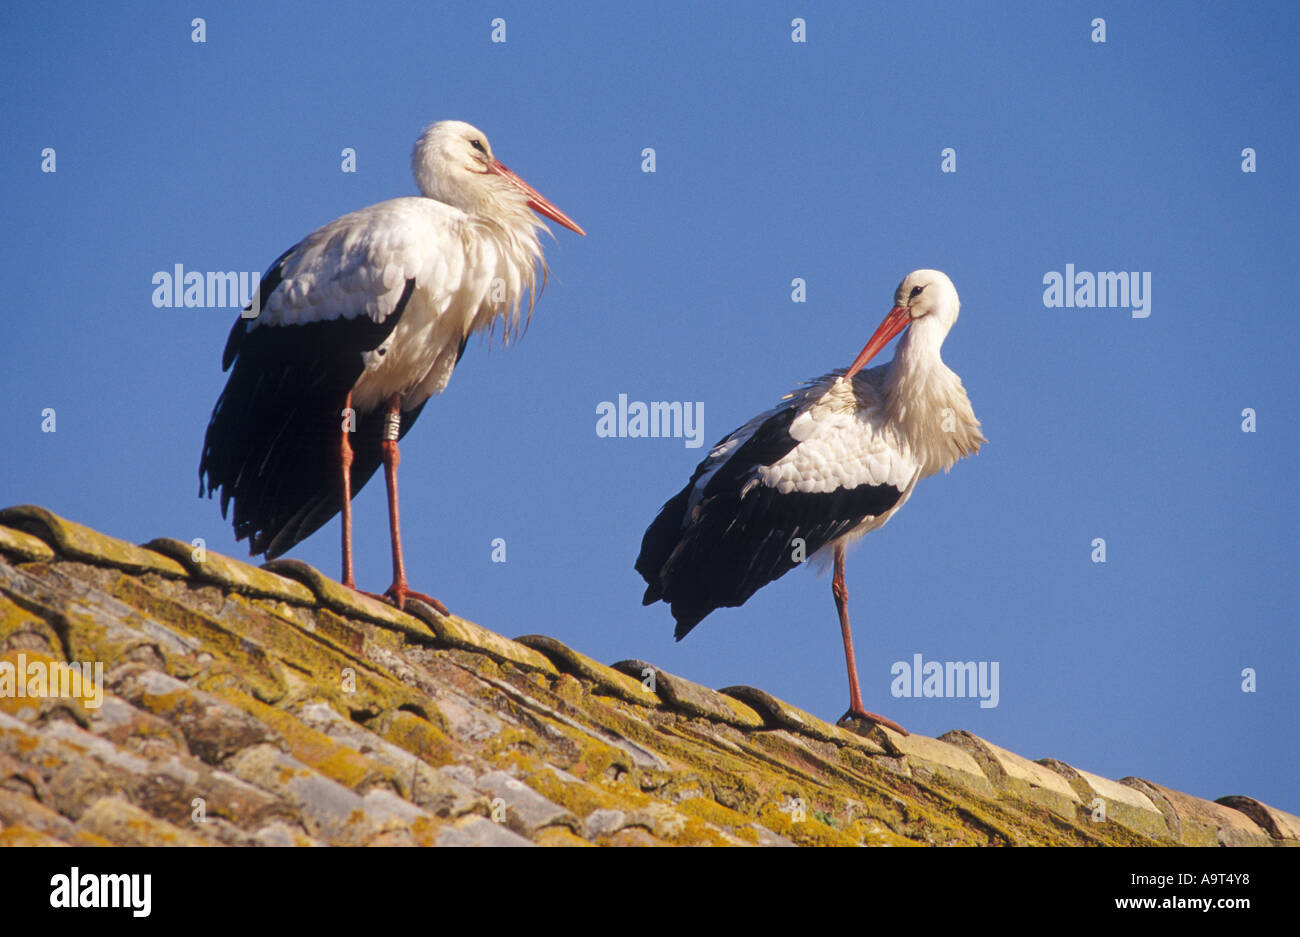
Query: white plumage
(369, 313)
(835, 460)
(471, 271)
(843, 440)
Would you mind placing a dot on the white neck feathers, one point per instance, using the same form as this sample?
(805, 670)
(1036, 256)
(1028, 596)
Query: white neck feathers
(926, 401)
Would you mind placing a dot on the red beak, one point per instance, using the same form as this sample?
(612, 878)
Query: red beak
(897, 320)
(536, 201)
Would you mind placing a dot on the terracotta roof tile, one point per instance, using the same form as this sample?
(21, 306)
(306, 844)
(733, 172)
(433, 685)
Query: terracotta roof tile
(23, 546)
(1197, 822)
(781, 714)
(928, 757)
(1119, 803)
(580, 665)
(691, 698)
(1010, 772)
(298, 712)
(1278, 824)
(76, 542)
(345, 601)
(230, 573)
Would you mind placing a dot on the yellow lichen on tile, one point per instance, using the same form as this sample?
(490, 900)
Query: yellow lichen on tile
(230, 573)
(295, 708)
(417, 735)
(22, 547)
(77, 542)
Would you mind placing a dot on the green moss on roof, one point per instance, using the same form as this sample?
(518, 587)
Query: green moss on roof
(300, 712)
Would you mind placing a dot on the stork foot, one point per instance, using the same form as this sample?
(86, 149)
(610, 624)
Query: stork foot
(398, 593)
(864, 716)
(397, 597)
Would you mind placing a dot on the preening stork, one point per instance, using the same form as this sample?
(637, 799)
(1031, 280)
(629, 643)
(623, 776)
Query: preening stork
(836, 459)
(357, 326)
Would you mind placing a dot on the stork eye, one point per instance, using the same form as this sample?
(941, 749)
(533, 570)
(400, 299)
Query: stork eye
(478, 145)
(916, 291)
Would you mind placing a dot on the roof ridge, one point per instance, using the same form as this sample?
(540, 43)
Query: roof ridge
(278, 627)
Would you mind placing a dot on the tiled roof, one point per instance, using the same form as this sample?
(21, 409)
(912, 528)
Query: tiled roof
(272, 706)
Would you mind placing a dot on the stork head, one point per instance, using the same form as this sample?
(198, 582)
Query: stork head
(923, 295)
(453, 163)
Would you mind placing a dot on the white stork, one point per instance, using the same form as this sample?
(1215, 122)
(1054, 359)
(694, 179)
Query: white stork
(359, 324)
(833, 461)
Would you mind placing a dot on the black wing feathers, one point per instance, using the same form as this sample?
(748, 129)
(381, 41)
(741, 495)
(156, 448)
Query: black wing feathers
(732, 545)
(272, 445)
(770, 443)
(270, 280)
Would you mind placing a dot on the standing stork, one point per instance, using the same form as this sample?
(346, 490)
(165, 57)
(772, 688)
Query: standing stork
(357, 326)
(833, 461)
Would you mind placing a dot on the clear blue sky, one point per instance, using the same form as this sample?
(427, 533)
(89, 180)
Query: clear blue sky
(775, 160)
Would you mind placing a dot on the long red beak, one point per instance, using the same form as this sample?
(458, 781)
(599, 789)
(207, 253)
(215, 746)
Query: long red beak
(536, 201)
(897, 320)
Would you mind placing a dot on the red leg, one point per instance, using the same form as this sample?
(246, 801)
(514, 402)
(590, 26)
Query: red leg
(841, 592)
(345, 458)
(399, 591)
